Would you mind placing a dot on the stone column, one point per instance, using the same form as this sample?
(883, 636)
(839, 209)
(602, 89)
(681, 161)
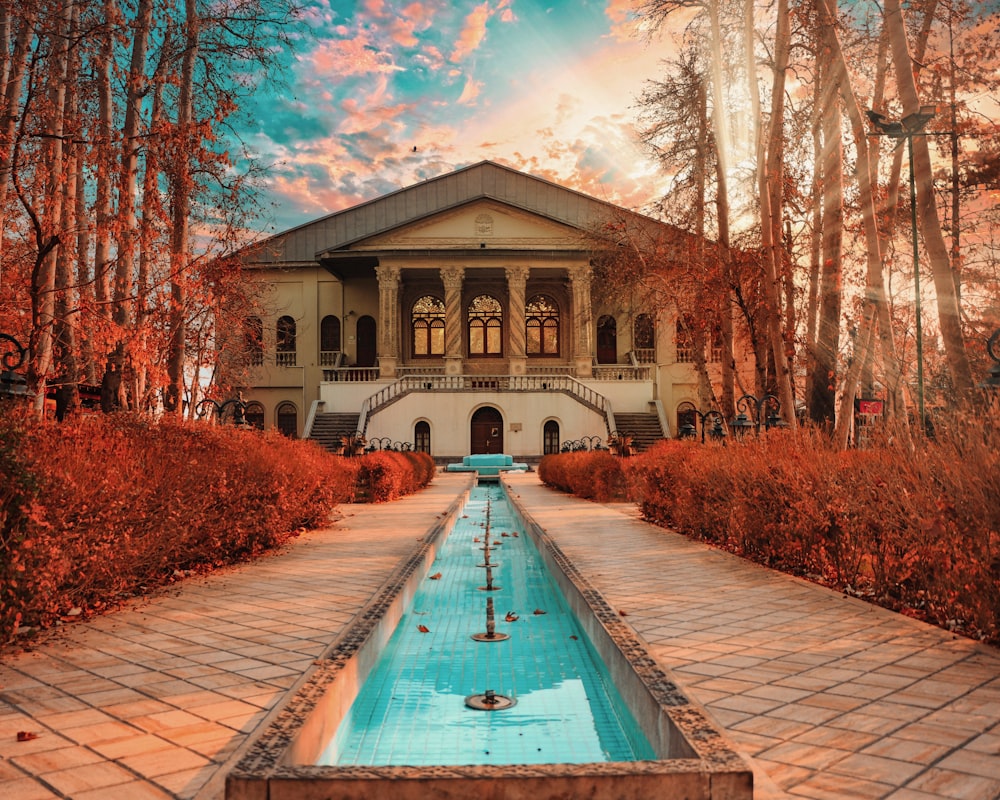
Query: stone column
(583, 345)
(388, 322)
(452, 277)
(517, 279)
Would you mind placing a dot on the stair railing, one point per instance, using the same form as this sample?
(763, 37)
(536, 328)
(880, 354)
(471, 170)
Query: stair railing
(470, 383)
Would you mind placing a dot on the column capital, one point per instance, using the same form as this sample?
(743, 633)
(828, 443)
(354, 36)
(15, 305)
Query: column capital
(388, 274)
(452, 277)
(517, 273)
(581, 275)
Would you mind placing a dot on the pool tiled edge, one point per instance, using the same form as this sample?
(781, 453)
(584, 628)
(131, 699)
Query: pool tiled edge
(695, 762)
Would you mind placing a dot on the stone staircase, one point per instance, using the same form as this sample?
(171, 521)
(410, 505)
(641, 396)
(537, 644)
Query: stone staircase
(643, 428)
(328, 429)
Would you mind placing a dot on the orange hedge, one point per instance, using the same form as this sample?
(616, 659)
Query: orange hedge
(104, 507)
(916, 529)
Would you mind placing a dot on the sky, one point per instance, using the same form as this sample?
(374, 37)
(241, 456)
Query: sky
(383, 94)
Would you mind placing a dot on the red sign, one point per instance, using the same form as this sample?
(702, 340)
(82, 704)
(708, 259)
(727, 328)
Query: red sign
(868, 406)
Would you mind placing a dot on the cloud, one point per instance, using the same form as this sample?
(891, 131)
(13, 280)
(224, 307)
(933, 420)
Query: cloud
(624, 22)
(342, 58)
(469, 92)
(472, 34)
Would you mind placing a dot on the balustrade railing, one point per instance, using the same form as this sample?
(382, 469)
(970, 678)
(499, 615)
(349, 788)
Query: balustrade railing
(477, 383)
(350, 375)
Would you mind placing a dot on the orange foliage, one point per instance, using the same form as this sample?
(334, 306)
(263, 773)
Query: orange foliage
(388, 475)
(595, 475)
(913, 530)
(105, 507)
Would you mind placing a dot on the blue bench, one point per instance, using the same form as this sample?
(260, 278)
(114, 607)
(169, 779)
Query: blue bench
(487, 464)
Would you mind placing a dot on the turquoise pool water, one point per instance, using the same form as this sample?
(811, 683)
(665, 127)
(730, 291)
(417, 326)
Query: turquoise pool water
(411, 709)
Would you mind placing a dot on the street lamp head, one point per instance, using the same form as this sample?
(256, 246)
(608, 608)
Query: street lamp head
(884, 127)
(917, 121)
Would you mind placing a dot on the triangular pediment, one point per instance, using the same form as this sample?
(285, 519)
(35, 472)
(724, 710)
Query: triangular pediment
(477, 224)
(437, 208)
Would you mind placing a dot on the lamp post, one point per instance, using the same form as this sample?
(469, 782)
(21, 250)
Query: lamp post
(993, 349)
(208, 406)
(909, 126)
(741, 422)
(13, 356)
(688, 431)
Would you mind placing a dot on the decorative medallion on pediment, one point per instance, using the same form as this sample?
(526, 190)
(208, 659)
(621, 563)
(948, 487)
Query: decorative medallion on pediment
(484, 225)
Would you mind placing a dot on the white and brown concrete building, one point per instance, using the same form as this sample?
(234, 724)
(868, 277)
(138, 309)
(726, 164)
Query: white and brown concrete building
(458, 316)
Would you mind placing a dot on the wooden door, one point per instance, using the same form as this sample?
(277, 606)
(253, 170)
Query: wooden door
(607, 340)
(487, 431)
(367, 344)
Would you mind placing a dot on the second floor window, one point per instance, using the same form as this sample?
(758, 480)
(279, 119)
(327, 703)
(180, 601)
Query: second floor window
(285, 341)
(485, 326)
(685, 343)
(253, 341)
(427, 325)
(542, 326)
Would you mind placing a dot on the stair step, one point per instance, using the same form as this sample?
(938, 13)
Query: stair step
(329, 429)
(644, 429)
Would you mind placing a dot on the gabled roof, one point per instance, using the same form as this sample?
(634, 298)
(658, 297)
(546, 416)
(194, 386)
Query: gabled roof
(485, 180)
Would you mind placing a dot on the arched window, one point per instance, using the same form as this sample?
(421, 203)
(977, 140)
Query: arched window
(287, 419)
(607, 340)
(254, 415)
(485, 326)
(422, 437)
(550, 437)
(286, 342)
(329, 340)
(685, 343)
(715, 356)
(253, 341)
(542, 326)
(686, 416)
(644, 339)
(427, 325)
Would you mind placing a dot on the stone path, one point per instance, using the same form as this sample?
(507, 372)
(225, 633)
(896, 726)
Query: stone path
(830, 697)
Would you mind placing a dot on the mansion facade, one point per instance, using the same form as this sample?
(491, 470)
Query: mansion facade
(458, 316)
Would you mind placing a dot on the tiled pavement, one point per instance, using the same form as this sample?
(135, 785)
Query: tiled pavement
(831, 698)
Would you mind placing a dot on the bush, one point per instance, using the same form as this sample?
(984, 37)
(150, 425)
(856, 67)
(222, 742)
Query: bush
(388, 475)
(596, 475)
(104, 507)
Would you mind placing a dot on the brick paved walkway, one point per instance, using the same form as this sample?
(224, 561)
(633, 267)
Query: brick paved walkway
(831, 698)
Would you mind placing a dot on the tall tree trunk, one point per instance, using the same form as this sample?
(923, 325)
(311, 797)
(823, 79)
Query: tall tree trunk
(822, 402)
(949, 313)
(815, 232)
(103, 196)
(15, 67)
(721, 143)
(43, 284)
(771, 190)
(875, 302)
(66, 313)
(179, 253)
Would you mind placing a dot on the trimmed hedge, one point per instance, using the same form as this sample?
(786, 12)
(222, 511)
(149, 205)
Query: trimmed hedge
(915, 530)
(100, 508)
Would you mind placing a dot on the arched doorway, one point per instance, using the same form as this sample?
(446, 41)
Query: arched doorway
(607, 340)
(367, 344)
(487, 431)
